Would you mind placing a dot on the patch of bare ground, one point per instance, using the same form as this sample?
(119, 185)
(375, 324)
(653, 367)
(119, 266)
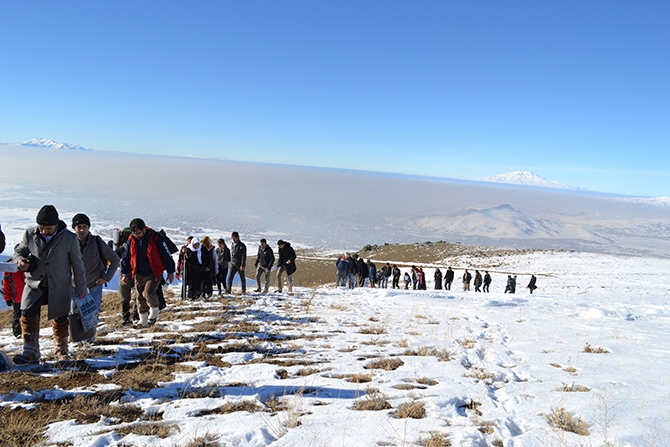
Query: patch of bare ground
(21, 426)
(249, 405)
(283, 361)
(144, 377)
(158, 429)
(387, 364)
(20, 381)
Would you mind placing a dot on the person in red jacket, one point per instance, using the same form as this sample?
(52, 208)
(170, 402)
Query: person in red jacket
(12, 289)
(146, 257)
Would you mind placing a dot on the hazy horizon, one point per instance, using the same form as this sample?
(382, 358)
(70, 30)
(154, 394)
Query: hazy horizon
(326, 208)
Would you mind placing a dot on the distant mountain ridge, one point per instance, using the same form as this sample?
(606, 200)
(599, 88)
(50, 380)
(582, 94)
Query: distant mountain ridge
(526, 178)
(47, 143)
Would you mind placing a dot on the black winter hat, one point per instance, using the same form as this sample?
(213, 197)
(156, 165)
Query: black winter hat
(47, 215)
(80, 218)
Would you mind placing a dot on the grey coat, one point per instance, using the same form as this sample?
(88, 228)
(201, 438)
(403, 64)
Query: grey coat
(56, 263)
(96, 253)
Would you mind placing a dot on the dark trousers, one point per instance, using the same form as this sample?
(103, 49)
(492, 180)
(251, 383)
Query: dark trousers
(235, 269)
(221, 278)
(127, 301)
(16, 319)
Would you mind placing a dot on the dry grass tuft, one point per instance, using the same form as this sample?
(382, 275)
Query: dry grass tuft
(435, 439)
(566, 421)
(408, 386)
(487, 427)
(249, 405)
(468, 343)
(389, 364)
(424, 351)
(208, 440)
(574, 388)
(426, 381)
(595, 350)
(373, 401)
(373, 330)
(413, 410)
(360, 378)
(307, 371)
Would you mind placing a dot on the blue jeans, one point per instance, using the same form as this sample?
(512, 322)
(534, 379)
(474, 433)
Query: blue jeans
(385, 282)
(350, 278)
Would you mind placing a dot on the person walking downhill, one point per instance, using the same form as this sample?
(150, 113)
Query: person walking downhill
(100, 261)
(264, 262)
(285, 264)
(238, 262)
(146, 257)
(407, 280)
(50, 256)
(372, 273)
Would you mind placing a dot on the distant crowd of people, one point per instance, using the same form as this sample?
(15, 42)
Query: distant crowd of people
(354, 271)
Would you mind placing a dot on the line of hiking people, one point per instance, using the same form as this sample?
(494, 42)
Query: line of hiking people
(354, 271)
(66, 271)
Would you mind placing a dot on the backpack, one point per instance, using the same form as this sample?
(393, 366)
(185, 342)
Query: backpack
(172, 247)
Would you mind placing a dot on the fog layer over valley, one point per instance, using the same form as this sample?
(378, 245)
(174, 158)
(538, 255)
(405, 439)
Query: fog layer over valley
(324, 208)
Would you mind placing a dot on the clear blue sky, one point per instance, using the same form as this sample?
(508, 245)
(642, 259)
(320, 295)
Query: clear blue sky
(575, 91)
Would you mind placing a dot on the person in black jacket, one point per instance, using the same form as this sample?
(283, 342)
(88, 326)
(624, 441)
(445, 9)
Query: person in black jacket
(396, 277)
(285, 263)
(2, 240)
(438, 279)
(264, 262)
(223, 258)
(487, 282)
(448, 278)
(238, 261)
(531, 285)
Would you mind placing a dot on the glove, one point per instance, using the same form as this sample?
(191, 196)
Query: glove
(9, 303)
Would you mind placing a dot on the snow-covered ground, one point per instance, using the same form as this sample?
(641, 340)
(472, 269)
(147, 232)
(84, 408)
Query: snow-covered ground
(489, 369)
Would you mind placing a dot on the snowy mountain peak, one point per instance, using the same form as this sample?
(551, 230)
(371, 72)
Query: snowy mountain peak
(45, 142)
(525, 178)
(654, 201)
